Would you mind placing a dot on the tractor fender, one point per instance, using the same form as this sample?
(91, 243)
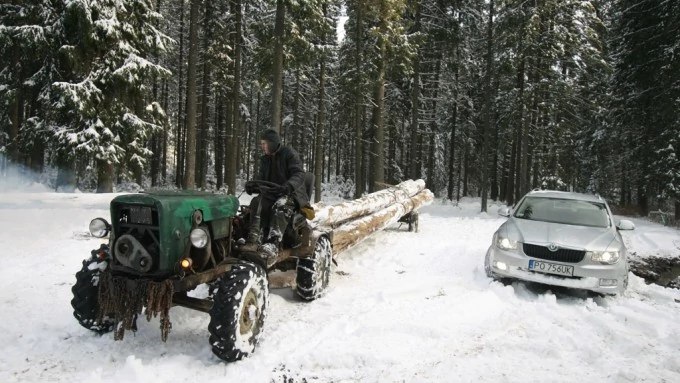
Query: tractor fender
(309, 239)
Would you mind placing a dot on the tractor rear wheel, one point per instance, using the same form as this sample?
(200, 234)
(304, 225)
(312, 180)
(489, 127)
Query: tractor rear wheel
(238, 312)
(85, 300)
(313, 273)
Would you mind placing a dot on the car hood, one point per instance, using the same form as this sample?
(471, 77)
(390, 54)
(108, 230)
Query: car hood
(569, 236)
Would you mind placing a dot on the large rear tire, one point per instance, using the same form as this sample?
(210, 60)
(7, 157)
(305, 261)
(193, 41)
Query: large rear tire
(238, 313)
(85, 300)
(313, 273)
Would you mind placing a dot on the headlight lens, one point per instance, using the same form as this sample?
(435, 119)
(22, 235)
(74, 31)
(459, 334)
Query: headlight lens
(605, 257)
(505, 243)
(199, 237)
(99, 227)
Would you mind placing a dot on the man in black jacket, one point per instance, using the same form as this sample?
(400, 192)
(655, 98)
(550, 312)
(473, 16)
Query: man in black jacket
(272, 211)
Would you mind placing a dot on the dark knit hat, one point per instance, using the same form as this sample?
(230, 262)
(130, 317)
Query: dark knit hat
(272, 138)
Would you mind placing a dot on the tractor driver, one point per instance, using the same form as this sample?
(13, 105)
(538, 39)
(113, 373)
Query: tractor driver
(272, 210)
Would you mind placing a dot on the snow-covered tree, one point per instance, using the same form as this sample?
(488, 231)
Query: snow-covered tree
(100, 107)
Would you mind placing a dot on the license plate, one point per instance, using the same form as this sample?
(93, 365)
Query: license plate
(551, 268)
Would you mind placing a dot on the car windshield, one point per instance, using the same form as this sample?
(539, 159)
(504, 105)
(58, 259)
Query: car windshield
(566, 211)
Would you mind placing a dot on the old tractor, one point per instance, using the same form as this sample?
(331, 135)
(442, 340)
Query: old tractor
(162, 245)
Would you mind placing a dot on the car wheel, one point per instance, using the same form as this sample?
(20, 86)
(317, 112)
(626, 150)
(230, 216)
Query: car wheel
(487, 267)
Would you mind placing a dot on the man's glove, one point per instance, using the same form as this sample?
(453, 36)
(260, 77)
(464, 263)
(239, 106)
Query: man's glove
(251, 187)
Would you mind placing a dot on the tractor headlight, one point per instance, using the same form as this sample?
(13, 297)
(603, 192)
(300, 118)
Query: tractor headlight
(605, 257)
(99, 228)
(199, 237)
(505, 243)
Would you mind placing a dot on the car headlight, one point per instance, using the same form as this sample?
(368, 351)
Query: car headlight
(199, 237)
(99, 228)
(605, 257)
(505, 243)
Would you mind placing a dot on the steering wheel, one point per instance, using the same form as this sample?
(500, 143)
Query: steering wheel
(264, 187)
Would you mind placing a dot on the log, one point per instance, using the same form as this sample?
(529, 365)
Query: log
(333, 216)
(353, 232)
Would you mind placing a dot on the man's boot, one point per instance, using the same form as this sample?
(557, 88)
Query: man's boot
(254, 232)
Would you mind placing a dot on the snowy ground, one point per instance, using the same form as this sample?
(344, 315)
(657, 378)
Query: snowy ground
(402, 307)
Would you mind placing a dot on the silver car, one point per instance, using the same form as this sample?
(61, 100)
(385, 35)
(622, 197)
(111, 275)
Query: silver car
(562, 239)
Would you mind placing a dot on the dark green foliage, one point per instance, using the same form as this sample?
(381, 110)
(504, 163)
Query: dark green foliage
(584, 95)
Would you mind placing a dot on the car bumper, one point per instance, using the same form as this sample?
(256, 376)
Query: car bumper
(587, 276)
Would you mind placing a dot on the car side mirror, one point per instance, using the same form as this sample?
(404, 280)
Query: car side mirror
(625, 224)
(504, 211)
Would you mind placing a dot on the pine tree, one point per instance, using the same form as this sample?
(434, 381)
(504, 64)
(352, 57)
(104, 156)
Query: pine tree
(98, 110)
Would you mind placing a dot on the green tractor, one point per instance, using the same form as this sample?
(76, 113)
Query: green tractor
(162, 245)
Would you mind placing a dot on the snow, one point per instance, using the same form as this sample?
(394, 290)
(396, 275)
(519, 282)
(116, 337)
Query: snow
(401, 306)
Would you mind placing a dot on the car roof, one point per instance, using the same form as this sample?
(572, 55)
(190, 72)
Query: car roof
(566, 195)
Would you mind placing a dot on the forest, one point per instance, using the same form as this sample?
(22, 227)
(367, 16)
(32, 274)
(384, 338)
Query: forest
(482, 98)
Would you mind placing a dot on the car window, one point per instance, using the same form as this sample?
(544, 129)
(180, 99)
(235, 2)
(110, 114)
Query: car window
(567, 211)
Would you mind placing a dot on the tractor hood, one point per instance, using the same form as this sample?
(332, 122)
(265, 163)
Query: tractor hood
(165, 219)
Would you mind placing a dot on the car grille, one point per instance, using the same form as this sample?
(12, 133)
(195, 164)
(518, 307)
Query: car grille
(561, 255)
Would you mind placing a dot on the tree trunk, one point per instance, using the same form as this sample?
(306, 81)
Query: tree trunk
(522, 136)
(236, 109)
(190, 172)
(431, 184)
(15, 114)
(66, 175)
(105, 173)
(318, 140)
(414, 168)
(295, 128)
(277, 87)
(392, 152)
(179, 144)
(487, 109)
(358, 110)
(466, 159)
(219, 142)
(256, 167)
(378, 173)
(454, 121)
(203, 143)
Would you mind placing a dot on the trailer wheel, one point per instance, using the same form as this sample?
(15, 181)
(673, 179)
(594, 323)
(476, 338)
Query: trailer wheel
(238, 313)
(413, 222)
(313, 273)
(85, 300)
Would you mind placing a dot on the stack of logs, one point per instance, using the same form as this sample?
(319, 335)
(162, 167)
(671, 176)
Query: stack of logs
(355, 220)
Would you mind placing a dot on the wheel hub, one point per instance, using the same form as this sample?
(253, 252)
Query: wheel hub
(249, 313)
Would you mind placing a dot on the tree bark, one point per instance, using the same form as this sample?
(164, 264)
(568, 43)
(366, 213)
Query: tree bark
(318, 140)
(277, 87)
(378, 171)
(179, 144)
(105, 173)
(487, 109)
(190, 172)
(236, 109)
(203, 143)
(355, 231)
(219, 142)
(358, 110)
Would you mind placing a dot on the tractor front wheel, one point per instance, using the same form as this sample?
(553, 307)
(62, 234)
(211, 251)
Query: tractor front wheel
(238, 312)
(85, 300)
